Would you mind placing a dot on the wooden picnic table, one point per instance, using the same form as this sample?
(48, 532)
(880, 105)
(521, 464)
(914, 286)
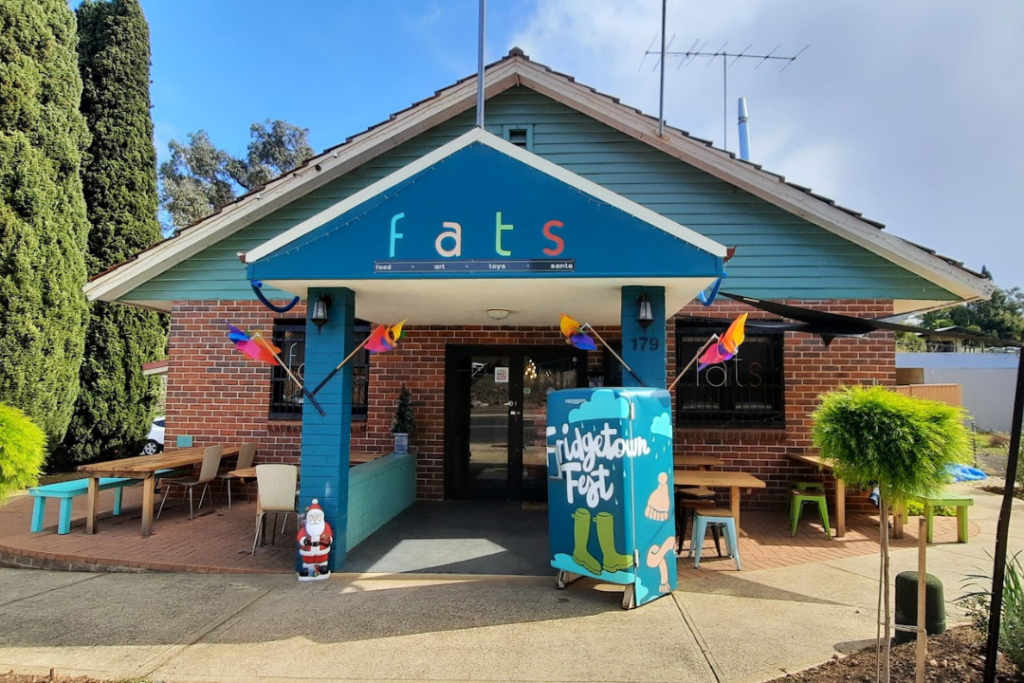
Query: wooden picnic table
(816, 461)
(734, 481)
(142, 467)
(701, 462)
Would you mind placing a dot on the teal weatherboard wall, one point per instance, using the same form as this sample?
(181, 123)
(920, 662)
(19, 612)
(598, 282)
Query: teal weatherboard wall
(779, 256)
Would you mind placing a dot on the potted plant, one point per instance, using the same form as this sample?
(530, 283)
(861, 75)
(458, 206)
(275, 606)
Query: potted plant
(873, 436)
(404, 423)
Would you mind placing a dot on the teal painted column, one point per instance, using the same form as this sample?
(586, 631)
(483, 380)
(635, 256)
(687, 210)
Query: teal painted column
(325, 439)
(644, 349)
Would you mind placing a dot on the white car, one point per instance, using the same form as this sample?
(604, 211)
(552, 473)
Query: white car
(155, 438)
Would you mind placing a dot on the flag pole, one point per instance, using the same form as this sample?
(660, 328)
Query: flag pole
(693, 360)
(612, 351)
(339, 366)
(295, 379)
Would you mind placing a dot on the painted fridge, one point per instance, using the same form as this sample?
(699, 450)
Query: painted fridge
(610, 492)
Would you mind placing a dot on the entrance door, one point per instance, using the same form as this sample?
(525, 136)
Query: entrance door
(495, 418)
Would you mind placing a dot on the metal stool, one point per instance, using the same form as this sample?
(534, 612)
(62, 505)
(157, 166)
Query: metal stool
(715, 516)
(808, 492)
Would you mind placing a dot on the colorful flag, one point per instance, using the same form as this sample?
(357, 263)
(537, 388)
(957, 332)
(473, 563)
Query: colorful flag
(384, 339)
(726, 346)
(257, 348)
(574, 334)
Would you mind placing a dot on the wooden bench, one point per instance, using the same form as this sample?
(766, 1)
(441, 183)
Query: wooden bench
(946, 499)
(66, 491)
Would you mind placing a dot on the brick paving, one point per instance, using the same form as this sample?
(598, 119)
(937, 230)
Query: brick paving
(218, 540)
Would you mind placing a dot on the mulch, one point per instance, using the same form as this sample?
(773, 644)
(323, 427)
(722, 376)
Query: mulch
(957, 656)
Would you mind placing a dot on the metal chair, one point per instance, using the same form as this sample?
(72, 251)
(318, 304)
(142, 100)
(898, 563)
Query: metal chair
(207, 473)
(245, 455)
(278, 486)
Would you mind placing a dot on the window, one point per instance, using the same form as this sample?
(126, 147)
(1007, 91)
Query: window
(520, 136)
(286, 397)
(745, 392)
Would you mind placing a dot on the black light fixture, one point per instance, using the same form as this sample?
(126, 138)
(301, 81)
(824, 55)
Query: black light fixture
(320, 307)
(644, 313)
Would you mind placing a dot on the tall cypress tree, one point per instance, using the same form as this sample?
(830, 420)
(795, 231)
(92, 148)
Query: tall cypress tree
(116, 402)
(43, 226)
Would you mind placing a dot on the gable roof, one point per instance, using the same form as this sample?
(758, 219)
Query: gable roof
(518, 70)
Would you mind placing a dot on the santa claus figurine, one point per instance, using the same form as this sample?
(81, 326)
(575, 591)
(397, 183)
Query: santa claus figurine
(314, 539)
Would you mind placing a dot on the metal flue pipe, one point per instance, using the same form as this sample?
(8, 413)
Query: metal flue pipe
(744, 130)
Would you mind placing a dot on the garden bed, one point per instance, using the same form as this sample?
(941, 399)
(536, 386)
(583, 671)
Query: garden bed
(957, 656)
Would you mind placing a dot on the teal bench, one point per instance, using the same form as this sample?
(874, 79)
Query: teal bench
(66, 491)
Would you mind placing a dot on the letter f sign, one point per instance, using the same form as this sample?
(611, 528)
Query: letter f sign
(395, 235)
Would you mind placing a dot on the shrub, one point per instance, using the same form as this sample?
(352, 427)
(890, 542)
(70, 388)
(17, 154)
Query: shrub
(22, 451)
(1011, 622)
(998, 440)
(915, 509)
(904, 445)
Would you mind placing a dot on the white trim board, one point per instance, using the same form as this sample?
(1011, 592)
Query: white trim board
(478, 135)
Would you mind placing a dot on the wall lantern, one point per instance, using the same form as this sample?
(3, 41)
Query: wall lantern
(320, 307)
(644, 313)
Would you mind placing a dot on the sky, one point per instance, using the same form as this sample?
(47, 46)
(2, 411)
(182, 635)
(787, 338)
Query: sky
(904, 111)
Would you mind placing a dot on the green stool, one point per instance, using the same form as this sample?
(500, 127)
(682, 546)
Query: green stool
(808, 492)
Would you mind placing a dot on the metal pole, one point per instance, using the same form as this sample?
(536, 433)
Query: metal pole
(661, 91)
(1003, 528)
(480, 66)
(725, 105)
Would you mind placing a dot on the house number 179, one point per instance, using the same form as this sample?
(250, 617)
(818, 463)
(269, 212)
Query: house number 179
(645, 343)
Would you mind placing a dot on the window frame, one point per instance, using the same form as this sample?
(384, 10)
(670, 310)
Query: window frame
(709, 418)
(506, 133)
(278, 377)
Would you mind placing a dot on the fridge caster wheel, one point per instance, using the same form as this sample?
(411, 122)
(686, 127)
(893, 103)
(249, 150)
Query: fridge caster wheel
(628, 598)
(564, 578)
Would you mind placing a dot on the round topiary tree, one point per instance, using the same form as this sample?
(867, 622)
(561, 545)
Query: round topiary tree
(22, 451)
(873, 436)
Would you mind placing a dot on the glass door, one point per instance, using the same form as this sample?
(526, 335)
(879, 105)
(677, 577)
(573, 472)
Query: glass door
(543, 372)
(496, 415)
(490, 405)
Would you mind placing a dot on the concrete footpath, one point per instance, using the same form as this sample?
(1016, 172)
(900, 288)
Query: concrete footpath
(742, 627)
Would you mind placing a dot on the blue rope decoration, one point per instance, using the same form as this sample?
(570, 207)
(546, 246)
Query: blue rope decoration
(256, 287)
(707, 300)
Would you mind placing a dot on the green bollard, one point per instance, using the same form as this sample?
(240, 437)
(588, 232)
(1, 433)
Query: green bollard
(906, 606)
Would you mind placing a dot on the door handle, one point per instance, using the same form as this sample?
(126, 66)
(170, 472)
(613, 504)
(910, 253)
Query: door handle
(510, 404)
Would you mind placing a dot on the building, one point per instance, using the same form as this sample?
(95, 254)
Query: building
(566, 202)
(988, 381)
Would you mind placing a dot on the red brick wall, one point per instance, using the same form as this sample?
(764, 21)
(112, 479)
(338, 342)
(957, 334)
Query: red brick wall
(810, 368)
(217, 395)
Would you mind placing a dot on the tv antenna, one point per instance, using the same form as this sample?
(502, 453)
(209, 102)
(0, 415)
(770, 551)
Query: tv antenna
(687, 57)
